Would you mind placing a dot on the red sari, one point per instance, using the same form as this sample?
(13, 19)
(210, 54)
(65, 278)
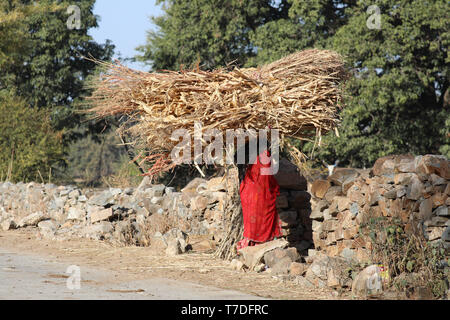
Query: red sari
(258, 198)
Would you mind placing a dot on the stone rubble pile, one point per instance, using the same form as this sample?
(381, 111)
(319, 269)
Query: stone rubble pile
(149, 215)
(415, 190)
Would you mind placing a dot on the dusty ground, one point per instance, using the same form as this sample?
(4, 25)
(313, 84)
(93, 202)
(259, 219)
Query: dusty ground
(134, 264)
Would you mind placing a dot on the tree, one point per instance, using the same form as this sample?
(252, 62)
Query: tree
(401, 72)
(395, 99)
(213, 33)
(29, 145)
(304, 24)
(41, 58)
(52, 71)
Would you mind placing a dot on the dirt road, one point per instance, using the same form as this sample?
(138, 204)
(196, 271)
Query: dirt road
(33, 268)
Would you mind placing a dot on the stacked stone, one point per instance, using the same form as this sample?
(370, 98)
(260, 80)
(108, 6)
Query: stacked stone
(294, 207)
(149, 213)
(413, 189)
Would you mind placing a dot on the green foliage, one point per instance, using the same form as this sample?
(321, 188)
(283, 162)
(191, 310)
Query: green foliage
(43, 67)
(29, 146)
(213, 33)
(411, 260)
(395, 100)
(50, 70)
(91, 161)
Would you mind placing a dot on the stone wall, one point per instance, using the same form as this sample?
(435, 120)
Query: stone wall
(149, 215)
(415, 190)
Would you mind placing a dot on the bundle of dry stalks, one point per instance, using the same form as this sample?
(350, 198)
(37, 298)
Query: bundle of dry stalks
(299, 95)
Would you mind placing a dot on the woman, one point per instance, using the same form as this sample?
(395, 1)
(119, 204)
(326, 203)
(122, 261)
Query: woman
(258, 198)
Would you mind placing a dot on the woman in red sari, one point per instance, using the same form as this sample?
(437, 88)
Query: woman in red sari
(258, 193)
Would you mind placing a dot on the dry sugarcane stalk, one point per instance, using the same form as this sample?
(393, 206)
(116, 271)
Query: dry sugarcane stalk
(299, 95)
(235, 227)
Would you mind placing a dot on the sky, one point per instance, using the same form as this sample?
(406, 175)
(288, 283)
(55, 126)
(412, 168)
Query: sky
(125, 23)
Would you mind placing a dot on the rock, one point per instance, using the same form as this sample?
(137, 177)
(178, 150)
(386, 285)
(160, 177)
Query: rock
(414, 191)
(391, 194)
(173, 247)
(348, 254)
(253, 255)
(342, 174)
(101, 215)
(330, 225)
(31, 220)
(74, 194)
(47, 228)
(404, 178)
(332, 193)
(99, 231)
(8, 224)
(343, 203)
(317, 226)
(436, 222)
(158, 190)
(437, 180)
(439, 199)
(387, 165)
(434, 233)
(401, 192)
(317, 212)
(288, 218)
(302, 282)
(368, 282)
(145, 183)
(76, 214)
(282, 202)
(319, 188)
(289, 177)
(347, 184)
(297, 268)
(446, 235)
(237, 265)
(442, 211)
(406, 165)
(274, 256)
(103, 199)
(260, 267)
(436, 164)
(281, 266)
(324, 268)
(425, 209)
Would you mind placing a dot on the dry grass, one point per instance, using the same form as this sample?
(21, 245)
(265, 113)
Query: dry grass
(299, 95)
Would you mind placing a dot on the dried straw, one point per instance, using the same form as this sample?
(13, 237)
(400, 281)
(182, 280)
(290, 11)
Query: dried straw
(299, 95)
